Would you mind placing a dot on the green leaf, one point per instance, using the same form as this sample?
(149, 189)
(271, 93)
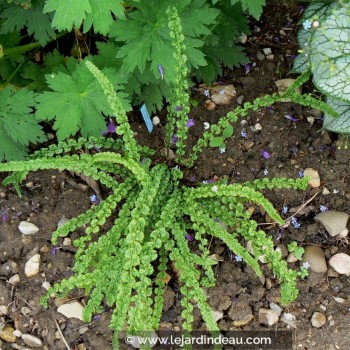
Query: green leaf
(329, 57)
(101, 15)
(37, 23)
(216, 142)
(76, 103)
(253, 7)
(340, 124)
(68, 13)
(227, 132)
(18, 126)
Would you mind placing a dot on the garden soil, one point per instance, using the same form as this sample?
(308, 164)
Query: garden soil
(293, 144)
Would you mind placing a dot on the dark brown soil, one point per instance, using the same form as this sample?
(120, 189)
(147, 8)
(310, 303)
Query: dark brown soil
(293, 146)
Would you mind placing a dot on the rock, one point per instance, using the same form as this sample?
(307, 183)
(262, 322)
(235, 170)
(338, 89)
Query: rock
(209, 105)
(260, 56)
(14, 279)
(268, 317)
(333, 221)
(135, 342)
(63, 221)
(341, 263)
(283, 85)
(258, 127)
(3, 310)
(267, 51)
(314, 255)
(168, 153)
(243, 38)
(270, 57)
(46, 285)
(27, 228)
(275, 307)
(32, 341)
(292, 258)
(9, 268)
(67, 241)
(240, 99)
(155, 121)
(71, 310)
(218, 315)
(223, 94)
(240, 313)
(325, 191)
(315, 180)
(7, 335)
(32, 266)
(343, 233)
(83, 330)
(318, 319)
(289, 319)
(17, 333)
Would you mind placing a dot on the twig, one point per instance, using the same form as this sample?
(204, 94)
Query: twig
(62, 337)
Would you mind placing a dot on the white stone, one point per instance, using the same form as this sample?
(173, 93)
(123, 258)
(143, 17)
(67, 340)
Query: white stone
(314, 180)
(275, 307)
(258, 126)
(72, 310)
(223, 94)
(67, 241)
(333, 221)
(268, 317)
(32, 341)
(292, 258)
(289, 319)
(218, 315)
(267, 51)
(17, 333)
(325, 191)
(341, 263)
(243, 38)
(27, 228)
(46, 285)
(32, 266)
(343, 233)
(318, 319)
(155, 121)
(62, 221)
(3, 310)
(14, 279)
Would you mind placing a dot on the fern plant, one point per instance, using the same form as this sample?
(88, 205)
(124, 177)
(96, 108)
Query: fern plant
(324, 44)
(125, 264)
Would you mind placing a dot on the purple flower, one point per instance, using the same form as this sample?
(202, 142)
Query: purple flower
(96, 318)
(291, 118)
(192, 178)
(247, 68)
(94, 199)
(4, 216)
(174, 139)
(295, 222)
(323, 208)
(243, 134)
(111, 127)
(190, 123)
(189, 237)
(161, 71)
(285, 209)
(270, 108)
(54, 250)
(265, 154)
(179, 108)
(301, 173)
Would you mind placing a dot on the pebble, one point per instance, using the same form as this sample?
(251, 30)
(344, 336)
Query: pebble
(325, 191)
(292, 258)
(318, 319)
(7, 335)
(268, 317)
(241, 314)
(289, 319)
(27, 228)
(260, 56)
(282, 86)
(67, 241)
(62, 222)
(70, 310)
(267, 51)
(243, 38)
(155, 121)
(223, 94)
(3, 310)
(341, 263)
(240, 99)
(270, 57)
(32, 266)
(83, 330)
(32, 341)
(14, 279)
(282, 32)
(17, 333)
(46, 285)
(209, 105)
(314, 255)
(275, 307)
(333, 221)
(314, 180)
(218, 315)
(258, 126)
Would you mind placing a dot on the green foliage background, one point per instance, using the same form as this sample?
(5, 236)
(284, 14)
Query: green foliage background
(132, 38)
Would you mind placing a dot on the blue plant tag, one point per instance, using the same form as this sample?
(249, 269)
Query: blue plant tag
(146, 118)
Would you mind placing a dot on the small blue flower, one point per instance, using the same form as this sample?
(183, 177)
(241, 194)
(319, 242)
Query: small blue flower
(238, 258)
(285, 209)
(265, 172)
(94, 199)
(295, 222)
(243, 134)
(323, 208)
(265, 154)
(222, 150)
(301, 173)
(221, 92)
(307, 24)
(206, 92)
